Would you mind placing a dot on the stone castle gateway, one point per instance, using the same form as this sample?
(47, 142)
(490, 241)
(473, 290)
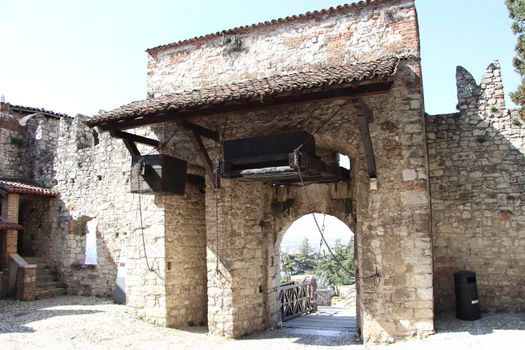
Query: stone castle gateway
(426, 195)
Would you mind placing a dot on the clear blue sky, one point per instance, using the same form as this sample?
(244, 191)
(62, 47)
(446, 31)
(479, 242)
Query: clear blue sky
(82, 56)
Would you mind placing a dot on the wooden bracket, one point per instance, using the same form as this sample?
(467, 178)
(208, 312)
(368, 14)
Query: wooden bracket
(364, 114)
(130, 140)
(200, 130)
(203, 154)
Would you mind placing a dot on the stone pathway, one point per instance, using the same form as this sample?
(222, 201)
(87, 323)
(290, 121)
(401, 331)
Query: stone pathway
(72, 322)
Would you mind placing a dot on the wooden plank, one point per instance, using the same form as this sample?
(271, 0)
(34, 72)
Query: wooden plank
(357, 89)
(364, 114)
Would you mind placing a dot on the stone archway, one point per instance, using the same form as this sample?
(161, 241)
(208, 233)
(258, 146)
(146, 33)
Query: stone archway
(307, 239)
(286, 206)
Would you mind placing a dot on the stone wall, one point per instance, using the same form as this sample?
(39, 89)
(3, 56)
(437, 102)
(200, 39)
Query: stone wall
(345, 36)
(42, 142)
(235, 245)
(186, 282)
(12, 146)
(477, 176)
(36, 221)
(392, 223)
(93, 182)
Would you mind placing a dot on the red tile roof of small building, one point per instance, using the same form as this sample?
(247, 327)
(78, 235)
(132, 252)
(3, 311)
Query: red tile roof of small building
(22, 188)
(30, 110)
(252, 90)
(6, 225)
(305, 16)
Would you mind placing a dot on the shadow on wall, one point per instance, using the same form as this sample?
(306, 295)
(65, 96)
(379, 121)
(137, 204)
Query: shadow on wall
(53, 234)
(477, 176)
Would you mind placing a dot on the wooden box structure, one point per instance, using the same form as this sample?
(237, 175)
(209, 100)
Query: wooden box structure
(280, 159)
(158, 174)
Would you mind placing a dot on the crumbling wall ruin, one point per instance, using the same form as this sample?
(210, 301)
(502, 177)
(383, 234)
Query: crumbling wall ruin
(477, 179)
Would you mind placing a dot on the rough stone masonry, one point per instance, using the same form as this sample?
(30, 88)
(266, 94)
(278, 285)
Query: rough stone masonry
(211, 256)
(478, 186)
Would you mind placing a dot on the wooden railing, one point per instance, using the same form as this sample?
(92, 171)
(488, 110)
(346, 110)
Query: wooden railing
(297, 299)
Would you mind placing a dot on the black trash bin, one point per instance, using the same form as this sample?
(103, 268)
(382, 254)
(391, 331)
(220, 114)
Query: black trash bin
(467, 302)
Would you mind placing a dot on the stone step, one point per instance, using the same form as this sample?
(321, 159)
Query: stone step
(34, 260)
(43, 285)
(49, 293)
(44, 272)
(45, 278)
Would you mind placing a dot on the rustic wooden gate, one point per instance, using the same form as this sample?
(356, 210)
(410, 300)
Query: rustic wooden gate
(297, 299)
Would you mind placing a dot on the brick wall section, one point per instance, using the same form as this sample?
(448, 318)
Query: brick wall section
(477, 176)
(10, 237)
(26, 282)
(333, 39)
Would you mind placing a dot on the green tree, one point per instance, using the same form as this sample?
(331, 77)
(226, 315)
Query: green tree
(305, 258)
(517, 14)
(287, 267)
(332, 269)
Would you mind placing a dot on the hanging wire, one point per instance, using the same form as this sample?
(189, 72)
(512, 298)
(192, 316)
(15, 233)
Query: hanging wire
(324, 124)
(310, 209)
(150, 268)
(321, 242)
(216, 193)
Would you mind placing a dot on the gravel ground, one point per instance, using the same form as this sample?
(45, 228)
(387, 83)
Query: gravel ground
(72, 322)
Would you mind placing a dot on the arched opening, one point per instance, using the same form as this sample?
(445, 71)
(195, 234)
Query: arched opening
(317, 291)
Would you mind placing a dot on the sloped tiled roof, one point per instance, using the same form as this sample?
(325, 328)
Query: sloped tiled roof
(22, 188)
(251, 90)
(308, 15)
(25, 109)
(6, 225)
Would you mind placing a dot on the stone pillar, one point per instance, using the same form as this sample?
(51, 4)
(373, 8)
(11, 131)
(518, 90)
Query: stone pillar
(146, 289)
(186, 292)
(235, 244)
(394, 240)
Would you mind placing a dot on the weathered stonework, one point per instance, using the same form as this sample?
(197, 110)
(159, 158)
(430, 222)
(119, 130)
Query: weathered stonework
(477, 176)
(212, 256)
(12, 144)
(347, 36)
(392, 224)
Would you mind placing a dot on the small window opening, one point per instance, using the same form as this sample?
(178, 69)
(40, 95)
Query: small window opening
(343, 160)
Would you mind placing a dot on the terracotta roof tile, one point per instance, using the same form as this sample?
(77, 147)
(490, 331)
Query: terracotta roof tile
(22, 188)
(25, 109)
(252, 90)
(305, 16)
(6, 225)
